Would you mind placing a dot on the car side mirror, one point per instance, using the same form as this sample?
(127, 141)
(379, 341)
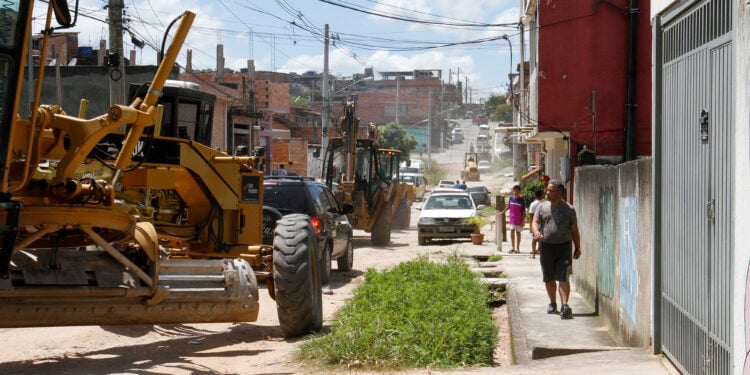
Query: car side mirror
(348, 208)
(481, 207)
(419, 207)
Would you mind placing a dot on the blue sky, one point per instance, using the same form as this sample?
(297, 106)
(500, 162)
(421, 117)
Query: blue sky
(366, 40)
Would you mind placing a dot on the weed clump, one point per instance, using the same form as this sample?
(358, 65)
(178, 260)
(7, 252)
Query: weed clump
(418, 314)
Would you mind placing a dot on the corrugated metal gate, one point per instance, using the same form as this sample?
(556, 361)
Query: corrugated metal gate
(693, 174)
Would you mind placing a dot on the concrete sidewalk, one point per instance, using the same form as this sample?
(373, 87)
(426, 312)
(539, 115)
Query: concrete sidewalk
(545, 344)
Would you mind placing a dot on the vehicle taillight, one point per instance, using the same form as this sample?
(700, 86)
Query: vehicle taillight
(317, 225)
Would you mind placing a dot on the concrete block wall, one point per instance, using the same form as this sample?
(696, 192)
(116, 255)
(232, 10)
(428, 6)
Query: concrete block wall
(274, 96)
(614, 206)
(313, 135)
(83, 82)
(298, 154)
(286, 150)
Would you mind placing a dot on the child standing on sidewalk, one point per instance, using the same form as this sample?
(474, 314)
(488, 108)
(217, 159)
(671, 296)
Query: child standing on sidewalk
(517, 208)
(538, 198)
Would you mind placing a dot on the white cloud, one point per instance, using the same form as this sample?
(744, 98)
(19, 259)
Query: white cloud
(149, 19)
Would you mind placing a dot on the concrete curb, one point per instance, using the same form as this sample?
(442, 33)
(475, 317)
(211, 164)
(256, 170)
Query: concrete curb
(521, 352)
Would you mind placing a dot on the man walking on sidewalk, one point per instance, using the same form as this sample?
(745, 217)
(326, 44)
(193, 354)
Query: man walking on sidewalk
(554, 226)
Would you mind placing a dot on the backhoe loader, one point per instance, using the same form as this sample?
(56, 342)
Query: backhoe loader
(470, 171)
(402, 193)
(111, 220)
(352, 170)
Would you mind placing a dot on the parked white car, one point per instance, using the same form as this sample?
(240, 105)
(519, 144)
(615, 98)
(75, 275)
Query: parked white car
(445, 214)
(446, 184)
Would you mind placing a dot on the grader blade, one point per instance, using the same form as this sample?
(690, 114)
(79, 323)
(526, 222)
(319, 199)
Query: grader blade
(189, 291)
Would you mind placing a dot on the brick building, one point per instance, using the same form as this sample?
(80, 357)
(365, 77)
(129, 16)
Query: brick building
(579, 81)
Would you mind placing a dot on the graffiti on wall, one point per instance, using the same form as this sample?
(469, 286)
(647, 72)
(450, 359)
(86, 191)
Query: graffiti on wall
(606, 276)
(628, 241)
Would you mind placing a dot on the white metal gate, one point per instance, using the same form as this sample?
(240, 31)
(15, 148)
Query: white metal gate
(693, 177)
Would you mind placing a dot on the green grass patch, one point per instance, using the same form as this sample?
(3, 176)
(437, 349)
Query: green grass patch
(419, 314)
(488, 211)
(495, 258)
(435, 174)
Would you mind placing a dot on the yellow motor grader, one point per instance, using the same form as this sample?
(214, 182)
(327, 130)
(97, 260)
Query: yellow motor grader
(109, 221)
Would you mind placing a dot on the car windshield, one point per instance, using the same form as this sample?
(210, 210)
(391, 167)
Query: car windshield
(448, 202)
(477, 189)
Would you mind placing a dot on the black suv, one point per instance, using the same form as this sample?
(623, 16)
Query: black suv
(303, 195)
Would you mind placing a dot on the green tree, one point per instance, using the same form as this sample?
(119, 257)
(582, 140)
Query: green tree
(394, 136)
(497, 105)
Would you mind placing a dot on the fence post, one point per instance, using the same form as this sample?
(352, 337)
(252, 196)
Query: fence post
(500, 221)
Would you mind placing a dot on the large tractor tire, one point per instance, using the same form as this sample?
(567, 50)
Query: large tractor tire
(346, 261)
(299, 299)
(325, 264)
(270, 217)
(402, 217)
(381, 231)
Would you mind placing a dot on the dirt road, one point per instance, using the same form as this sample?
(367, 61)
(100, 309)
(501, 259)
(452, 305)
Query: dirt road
(243, 348)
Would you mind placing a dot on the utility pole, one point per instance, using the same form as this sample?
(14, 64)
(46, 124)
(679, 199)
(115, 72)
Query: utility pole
(398, 90)
(442, 111)
(466, 91)
(326, 107)
(251, 103)
(458, 86)
(442, 99)
(429, 128)
(116, 53)
(522, 83)
(520, 159)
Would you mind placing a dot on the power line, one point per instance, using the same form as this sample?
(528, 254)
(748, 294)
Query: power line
(416, 20)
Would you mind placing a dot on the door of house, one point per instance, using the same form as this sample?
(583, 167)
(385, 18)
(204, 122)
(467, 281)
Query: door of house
(694, 175)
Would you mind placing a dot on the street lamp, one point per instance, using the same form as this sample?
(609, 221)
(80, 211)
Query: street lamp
(510, 69)
(351, 84)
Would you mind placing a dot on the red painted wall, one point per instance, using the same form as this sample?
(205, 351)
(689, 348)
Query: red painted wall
(583, 50)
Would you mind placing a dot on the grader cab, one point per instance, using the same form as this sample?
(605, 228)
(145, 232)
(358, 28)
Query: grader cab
(110, 220)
